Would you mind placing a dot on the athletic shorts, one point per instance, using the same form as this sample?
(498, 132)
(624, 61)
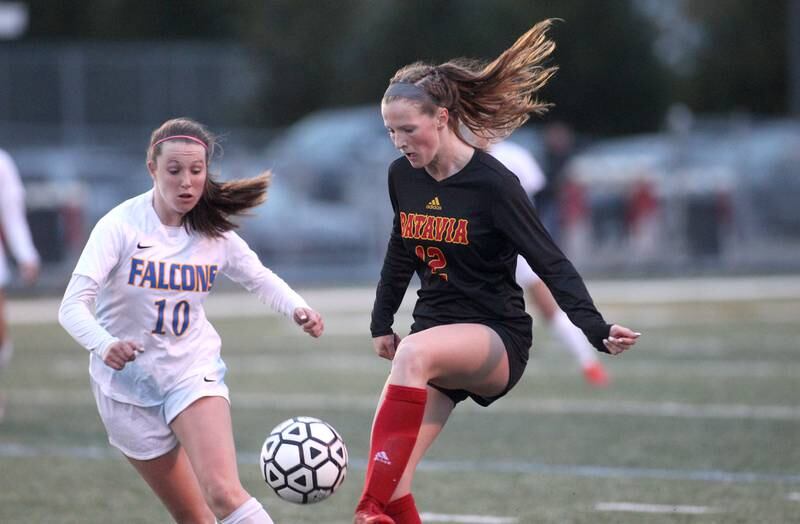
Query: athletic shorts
(143, 433)
(517, 348)
(525, 276)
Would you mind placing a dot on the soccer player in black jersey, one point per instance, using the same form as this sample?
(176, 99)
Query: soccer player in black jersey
(460, 218)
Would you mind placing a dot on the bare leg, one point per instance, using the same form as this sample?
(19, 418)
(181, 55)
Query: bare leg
(205, 431)
(458, 356)
(543, 299)
(171, 477)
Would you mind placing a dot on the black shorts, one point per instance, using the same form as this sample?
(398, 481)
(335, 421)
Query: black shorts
(517, 348)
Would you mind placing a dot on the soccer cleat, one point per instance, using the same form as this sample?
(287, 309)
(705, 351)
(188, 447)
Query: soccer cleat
(368, 512)
(595, 375)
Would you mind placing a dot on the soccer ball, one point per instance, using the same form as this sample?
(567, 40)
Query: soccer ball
(304, 460)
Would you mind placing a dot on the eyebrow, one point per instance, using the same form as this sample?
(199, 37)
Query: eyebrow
(180, 161)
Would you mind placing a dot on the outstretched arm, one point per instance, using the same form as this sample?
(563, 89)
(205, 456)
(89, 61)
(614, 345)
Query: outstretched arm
(515, 216)
(244, 267)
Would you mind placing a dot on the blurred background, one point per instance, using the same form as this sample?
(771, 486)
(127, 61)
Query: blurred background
(673, 146)
(672, 154)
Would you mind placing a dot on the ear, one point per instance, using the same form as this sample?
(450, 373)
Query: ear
(151, 168)
(442, 117)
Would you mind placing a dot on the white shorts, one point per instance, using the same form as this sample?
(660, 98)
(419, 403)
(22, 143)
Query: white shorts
(143, 433)
(525, 276)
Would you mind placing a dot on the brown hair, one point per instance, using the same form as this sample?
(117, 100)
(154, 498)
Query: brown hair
(220, 200)
(491, 100)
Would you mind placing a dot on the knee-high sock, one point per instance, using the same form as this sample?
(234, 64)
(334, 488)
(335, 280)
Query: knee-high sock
(574, 339)
(393, 437)
(404, 510)
(251, 512)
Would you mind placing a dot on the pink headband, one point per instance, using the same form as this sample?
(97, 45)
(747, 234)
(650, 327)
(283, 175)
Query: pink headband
(184, 137)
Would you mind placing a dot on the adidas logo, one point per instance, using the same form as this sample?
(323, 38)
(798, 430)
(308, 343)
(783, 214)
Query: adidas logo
(434, 204)
(381, 456)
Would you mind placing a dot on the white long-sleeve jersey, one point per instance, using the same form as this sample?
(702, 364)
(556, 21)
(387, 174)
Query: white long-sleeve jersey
(150, 282)
(13, 223)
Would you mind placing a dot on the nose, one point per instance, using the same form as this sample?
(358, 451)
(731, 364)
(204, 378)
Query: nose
(399, 142)
(186, 181)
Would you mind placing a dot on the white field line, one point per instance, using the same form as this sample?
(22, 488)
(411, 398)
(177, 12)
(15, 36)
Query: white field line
(23, 450)
(360, 299)
(793, 496)
(366, 362)
(634, 507)
(266, 399)
(466, 519)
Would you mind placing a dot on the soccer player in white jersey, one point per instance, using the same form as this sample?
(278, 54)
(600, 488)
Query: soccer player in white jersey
(520, 162)
(14, 228)
(155, 365)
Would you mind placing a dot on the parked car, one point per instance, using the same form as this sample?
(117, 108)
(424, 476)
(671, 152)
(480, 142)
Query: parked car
(769, 156)
(334, 155)
(69, 188)
(328, 203)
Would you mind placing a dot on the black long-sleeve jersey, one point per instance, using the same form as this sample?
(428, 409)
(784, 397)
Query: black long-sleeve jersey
(462, 235)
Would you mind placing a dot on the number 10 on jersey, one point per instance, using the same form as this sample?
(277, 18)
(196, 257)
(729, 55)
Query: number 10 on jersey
(180, 317)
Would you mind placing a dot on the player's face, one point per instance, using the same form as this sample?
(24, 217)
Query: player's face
(415, 133)
(179, 175)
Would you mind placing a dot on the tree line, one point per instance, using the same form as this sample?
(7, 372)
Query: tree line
(611, 80)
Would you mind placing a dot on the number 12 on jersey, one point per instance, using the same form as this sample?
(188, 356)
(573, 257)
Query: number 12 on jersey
(434, 257)
(180, 317)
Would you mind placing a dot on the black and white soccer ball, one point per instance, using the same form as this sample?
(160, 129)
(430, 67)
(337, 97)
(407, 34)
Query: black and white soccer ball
(304, 460)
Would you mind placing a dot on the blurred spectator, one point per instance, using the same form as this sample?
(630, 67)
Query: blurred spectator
(642, 218)
(14, 229)
(559, 144)
(576, 227)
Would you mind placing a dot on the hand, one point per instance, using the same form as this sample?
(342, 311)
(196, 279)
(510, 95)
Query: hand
(386, 345)
(309, 320)
(620, 339)
(119, 353)
(29, 273)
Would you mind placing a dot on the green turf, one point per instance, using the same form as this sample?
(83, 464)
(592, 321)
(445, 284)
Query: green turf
(522, 458)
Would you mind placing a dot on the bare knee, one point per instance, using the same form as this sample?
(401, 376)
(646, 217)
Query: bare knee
(224, 496)
(409, 366)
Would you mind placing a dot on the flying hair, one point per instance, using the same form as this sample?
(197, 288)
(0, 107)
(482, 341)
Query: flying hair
(490, 99)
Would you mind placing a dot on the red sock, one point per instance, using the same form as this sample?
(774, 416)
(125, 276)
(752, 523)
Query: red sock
(404, 510)
(393, 437)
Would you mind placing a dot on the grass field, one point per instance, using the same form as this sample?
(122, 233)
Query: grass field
(701, 424)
